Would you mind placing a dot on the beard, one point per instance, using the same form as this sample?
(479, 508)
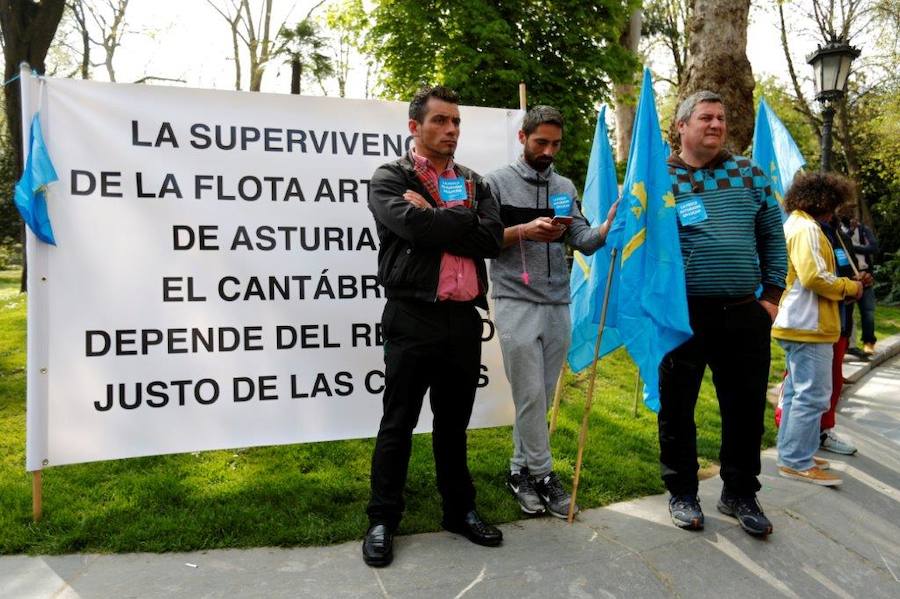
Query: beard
(539, 162)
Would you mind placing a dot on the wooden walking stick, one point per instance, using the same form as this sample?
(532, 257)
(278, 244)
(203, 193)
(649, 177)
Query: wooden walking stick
(557, 397)
(851, 257)
(637, 389)
(582, 436)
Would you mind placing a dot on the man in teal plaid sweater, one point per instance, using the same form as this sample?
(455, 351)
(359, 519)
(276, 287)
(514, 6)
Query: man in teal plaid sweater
(732, 244)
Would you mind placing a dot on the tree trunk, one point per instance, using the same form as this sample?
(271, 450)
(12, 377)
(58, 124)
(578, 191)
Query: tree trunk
(624, 92)
(110, 70)
(717, 61)
(256, 74)
(296, 72)
(28, 29)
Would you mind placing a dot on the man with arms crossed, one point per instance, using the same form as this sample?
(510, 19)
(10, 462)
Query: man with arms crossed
(436, 221)
(729, 225)
(531, 298)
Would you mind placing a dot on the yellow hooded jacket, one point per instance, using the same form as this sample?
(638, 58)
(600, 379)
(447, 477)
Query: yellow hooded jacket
(808, 310)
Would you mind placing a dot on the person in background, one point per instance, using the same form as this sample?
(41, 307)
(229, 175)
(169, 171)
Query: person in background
(844, 255)
(865, 246)
(808, 321)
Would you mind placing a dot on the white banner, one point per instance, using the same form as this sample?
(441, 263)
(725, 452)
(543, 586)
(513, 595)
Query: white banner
(213, 285)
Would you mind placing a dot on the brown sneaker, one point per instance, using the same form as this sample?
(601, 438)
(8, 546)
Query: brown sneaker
(814, 475)
(821, 464)
(869, 348)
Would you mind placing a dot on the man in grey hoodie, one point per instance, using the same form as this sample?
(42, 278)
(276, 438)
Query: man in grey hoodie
(530, 281)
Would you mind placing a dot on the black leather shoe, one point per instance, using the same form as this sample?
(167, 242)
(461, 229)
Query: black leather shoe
(475, 529)
(378, 546)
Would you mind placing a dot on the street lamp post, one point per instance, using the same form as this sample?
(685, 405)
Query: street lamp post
(831, 64)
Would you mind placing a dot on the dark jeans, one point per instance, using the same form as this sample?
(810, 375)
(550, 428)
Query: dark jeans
(866, 315)
(733, 340)
(436, 346)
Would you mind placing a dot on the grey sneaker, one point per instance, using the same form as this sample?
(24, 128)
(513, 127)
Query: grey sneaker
(685, 511)
(833, 443)
(553, 495)
(519, 484)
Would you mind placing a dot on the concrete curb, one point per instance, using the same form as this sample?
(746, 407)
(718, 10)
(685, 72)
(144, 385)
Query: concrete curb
(855, 369)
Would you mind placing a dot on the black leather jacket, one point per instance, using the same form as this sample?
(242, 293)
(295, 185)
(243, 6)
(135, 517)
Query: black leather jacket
(413, 240)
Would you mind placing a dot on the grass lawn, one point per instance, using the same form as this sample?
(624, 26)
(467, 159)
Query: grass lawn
(310, 494)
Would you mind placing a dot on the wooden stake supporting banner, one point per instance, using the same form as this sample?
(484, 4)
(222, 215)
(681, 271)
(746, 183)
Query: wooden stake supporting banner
(522, 103)
(582, 435)
(37, 492)
(557, 397)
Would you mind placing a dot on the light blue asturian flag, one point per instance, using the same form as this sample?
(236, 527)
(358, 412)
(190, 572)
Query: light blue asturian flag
(589, 273)
(775, 152)
(652, 311)
(30, 196)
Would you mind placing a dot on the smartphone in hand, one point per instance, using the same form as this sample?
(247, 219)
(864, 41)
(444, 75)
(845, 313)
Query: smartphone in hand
(561, 220)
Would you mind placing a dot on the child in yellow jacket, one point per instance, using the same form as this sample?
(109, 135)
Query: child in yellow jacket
(808, 321)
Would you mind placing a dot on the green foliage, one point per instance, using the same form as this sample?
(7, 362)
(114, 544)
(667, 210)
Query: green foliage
(10, 254)
(878, 131)
(784, 105)
(347, 22)
(10, 221)
(887, 279)
(665, 23)
(566, 51)
(305, 48)
(876, 122)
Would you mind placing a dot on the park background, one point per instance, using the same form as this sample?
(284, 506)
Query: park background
(570, 54)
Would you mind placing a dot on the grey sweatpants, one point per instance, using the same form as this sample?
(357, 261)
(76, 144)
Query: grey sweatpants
(534, 339)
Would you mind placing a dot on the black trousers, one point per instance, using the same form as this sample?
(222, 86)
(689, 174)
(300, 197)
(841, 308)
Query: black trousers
(434, 346)
(733, 340)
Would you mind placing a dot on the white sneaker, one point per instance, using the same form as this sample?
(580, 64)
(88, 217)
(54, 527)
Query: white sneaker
(831, 442)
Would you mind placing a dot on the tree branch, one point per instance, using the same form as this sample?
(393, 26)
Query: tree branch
(802, 104)
(155, 78)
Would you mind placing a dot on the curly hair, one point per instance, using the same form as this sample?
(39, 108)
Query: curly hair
(818, 194)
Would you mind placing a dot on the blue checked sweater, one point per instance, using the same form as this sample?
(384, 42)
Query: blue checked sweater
(741, 242)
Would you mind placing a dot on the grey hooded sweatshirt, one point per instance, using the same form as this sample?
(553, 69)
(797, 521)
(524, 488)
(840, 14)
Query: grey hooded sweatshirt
(518, 186)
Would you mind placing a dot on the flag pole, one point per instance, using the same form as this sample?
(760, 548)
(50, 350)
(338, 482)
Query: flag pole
(637, 389)
(557, 398)
(27, 115)
(522, 103)
(582, 435)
